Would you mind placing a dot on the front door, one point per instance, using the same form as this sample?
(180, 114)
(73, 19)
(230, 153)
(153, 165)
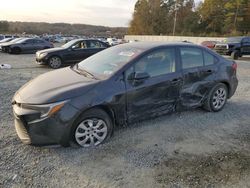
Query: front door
(78, 52)
(157, 94)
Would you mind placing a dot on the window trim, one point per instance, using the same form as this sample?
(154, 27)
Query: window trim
(179, 48)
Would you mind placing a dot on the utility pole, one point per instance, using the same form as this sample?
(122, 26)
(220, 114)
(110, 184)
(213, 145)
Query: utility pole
(175, 17)
(236, 14)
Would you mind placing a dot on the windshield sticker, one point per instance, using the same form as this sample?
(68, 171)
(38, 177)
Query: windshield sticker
(127, 53)
(108, 72)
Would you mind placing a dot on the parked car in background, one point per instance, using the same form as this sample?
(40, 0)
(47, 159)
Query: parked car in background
(6, 40)
(83, 103)
(234, 46)
(27, 45)
(112, 41)
(70, 53)
(209, 44)
(9, 43)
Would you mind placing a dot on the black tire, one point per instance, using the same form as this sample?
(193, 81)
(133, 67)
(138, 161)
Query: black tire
(55, 62)
(97, 115)
(15, 50)
(209, 104)
(235, 55)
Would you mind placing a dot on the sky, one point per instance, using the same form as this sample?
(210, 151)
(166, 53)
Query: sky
(114, 13)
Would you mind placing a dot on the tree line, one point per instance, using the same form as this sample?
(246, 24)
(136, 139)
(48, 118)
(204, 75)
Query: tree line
(183, 17)
(39, 28)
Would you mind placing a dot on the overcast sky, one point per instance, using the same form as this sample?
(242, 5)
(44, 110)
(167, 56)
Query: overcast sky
(95, 12)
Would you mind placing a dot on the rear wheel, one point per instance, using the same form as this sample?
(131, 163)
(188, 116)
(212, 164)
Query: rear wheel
(217, 98)
(235, 55)
(55, 62)
(93, 128)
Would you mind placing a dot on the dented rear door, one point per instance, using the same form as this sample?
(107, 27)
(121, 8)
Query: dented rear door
(199, 75)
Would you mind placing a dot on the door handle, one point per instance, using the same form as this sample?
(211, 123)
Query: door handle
(209, 71)
(176, 80)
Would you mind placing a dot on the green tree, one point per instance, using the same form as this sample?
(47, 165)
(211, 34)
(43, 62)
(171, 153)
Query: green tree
(213, 15)
(141, 22)
(4, 26)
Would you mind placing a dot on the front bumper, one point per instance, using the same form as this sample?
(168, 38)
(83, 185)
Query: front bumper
(50, 131)
(4, 49)
(223, 51)
(42, 61)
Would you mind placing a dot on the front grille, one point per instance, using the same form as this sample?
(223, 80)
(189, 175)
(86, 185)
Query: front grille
(221, 47)
(22, 132)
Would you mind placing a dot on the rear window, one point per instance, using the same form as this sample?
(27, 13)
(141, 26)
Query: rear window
(191, 57)
(209, 59)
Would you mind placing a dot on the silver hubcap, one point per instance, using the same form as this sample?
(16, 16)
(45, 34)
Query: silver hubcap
(55, 62)
(219, 98)
(91, 132)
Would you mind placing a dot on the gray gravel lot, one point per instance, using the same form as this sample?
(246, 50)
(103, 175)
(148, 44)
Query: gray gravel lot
(188, 149)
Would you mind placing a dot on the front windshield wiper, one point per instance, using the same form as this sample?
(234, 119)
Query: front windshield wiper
(84, 72)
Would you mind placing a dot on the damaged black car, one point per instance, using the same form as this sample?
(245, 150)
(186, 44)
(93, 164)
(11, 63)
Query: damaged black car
(83, 103)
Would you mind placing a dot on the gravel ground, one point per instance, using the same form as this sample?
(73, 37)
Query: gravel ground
(188, 149)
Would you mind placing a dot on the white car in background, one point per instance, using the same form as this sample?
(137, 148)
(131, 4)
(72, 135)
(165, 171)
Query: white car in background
(113, 41)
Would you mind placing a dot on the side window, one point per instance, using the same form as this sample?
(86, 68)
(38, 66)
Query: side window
(38, 41)
(80, 45)
(95, 44)
(209, 59)
(191, 57)
(157, 63)
(29, 41)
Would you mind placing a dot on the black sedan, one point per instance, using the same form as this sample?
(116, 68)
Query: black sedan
(83, 103)
(71, 52)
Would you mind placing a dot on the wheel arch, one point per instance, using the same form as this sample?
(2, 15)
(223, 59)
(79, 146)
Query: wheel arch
(104, 108)
(228, 87)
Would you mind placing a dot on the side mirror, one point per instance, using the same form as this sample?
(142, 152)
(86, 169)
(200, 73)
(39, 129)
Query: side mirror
(73, 47)
(138, 77)
(24, 43)
(141, 76)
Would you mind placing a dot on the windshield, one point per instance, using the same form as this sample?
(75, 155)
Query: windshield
(234, 40)
(6, 40)
(22, 40)
(107, 62)
(68, 44)
(17, 39)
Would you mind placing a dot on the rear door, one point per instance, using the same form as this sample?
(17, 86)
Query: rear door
(95, 46)
(199, 74)
(157, 94)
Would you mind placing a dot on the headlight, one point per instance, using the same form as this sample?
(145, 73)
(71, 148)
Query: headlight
(46, 110)
(43, 55)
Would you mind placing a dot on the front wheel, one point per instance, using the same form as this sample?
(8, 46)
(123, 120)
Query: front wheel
(93, 128)
(217, 98)
(55, 62)
(15, 50)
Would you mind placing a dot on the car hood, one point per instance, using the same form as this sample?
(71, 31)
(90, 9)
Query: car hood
(227, 43)
(6, 43)
(54, 86)
(51, 50)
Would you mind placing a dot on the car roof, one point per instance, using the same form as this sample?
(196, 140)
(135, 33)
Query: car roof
(150, 45)
(76, 40)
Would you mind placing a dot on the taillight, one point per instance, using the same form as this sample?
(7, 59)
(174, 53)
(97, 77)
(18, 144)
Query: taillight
(234, 66)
